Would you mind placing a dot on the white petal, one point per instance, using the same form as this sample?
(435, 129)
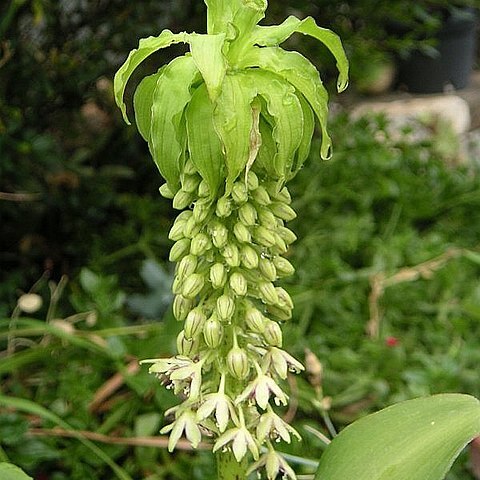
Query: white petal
(252, 445)
(262, 393)
(176, 433)
(207, 407)
(264, 427)
(277, 391)
(192, 432)
(239, 446)
(287, 469)
(221, 414)
(272, 466)
(225, 438)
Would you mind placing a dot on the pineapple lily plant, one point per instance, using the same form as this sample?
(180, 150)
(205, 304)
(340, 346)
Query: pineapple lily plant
(229, 124)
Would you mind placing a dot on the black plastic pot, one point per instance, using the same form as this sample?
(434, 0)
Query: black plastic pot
(454, 63)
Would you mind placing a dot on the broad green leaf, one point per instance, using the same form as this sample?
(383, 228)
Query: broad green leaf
(413, 440)
(11, 472)
(146, 47)
(208, 57)
(220, 14)
(306, 141)
(142, 104)
(267, 150)
(203, 142)
(275, 35)
(233, 119)
(297, 70)
(285, 109)
(170, 97)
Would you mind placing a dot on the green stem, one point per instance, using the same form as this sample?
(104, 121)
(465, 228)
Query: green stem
(229, 469)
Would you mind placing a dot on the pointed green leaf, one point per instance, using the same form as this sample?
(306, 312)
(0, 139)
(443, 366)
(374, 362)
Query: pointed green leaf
(268, 149)
(233, 119)
(203, 142)
(306, 141)
(220, 13)
(297, 70)
(275, 35)
(284, 107)
(11, 472)
(142, 104)
(208, 56)
(146, 47)
(413, 440)
(170, 97)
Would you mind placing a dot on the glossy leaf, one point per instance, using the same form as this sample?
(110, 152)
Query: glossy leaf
(208, 57)
(170, 97)
(274, 35)
(303, 150)
(146, 47)
(284, 107)
(203, 142)
(220, 13)
(233, 120)
(11, 472)
(413, 440)
(297, 70)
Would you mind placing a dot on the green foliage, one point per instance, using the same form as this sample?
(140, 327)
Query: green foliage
(11, 472)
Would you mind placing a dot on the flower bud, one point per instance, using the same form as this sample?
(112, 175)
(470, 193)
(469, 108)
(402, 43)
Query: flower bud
(193, 285)
(225, 307)
(247, 214)
(218, 275)
(185, 346)
(201, 209)
(273, 334)
(261, 196)
(224, 207)
(200, 244)
(203, 189)
(213, 332)
(252, 180)
(239, 193)
(249, 257)
(176, 232)
(194, 322)
(264, 236)
(280, 243)
(190, 183)
(242, 233)
(268, 293)
(182, 200)
(181, 307)
(283, 313)
(267, 269)
(255, 320)
(165, 191)
(189, 168)
(284, 196)
(238, 283)
(187, 266)
(266, 217)
(231, 255)
(283, 211)
(284, 267)
(286, 234)
(284, 298)
(237, 362)
(219, 234)
(191, 228)
(177, 285)
(179, 249)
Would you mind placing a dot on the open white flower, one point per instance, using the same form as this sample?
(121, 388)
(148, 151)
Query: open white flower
(193, 373)
(282, 362)
(241, 439)
(271, 425)
(274, 464)
(187, 422)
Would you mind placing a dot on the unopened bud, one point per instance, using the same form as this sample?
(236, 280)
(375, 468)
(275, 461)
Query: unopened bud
(165, 191)
(194, 322)
(238, 283)
(231, 255)
(200, 244)
(213, 332)
(190, 183)
(191, 228)
(266, 217)
(189, 168)
(30, 302)
(182, 199)
(284, 298)
(283, 266)
(181, 307)
(283, 211)
(264, 236)
(314, 368)
(268, 293)
(252, 180)
(283, 313)
(224, 207)
(267, 269)
(280, 243)
(186, 266)
(193, 285)
(225, 307)
(176, 232)
(260, 195)
(286, 234)
(247, 214)
(219, 234)
(201, 210)
(273, 334)
(239, 193)
(242, 233)
(255, 320)
(218, 275)
(179, 249)
(237, 362)
(284, 196)
(249, 257)
(203, 189)
(177, 285)
(187, 346)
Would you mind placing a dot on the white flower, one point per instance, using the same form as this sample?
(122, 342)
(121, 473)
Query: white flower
(193, 373)
(274, 464)
(281, 362)
(241, 439)
(271, 425)
(185, 422)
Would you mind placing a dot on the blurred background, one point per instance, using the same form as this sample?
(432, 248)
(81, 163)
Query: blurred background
(388, 253)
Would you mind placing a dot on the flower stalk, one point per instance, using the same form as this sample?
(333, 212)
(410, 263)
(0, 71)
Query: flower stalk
(228, 124)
